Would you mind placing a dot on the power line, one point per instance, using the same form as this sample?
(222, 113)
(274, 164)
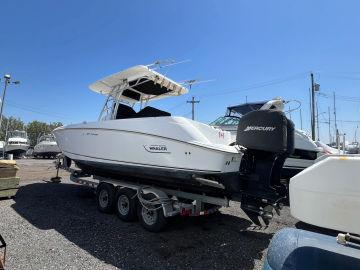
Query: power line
(257, 85)
(38, 112)
(250, 87)
(340, 97)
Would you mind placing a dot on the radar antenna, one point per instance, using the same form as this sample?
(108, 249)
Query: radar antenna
(165, 63)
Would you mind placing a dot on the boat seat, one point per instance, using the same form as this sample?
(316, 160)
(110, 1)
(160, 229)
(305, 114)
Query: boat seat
(124, 112)
(151, 112)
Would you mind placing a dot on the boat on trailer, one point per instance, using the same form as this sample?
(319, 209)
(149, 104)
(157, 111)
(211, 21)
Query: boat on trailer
(17, 143)
(46, 147)
(151, 147)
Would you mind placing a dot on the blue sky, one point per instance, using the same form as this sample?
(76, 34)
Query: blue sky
(57, 48)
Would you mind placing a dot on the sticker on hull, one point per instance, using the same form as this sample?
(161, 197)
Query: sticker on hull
(155, 148)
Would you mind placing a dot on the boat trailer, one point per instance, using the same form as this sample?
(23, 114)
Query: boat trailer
(150, 204)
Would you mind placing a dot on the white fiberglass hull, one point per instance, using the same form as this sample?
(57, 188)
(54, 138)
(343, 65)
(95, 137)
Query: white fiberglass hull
(46, 149)
(327, 194)
(148, 144)
(16, 149)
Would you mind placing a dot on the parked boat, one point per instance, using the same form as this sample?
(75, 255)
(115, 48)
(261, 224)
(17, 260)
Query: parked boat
(152, 147)
(46, 147)
(306, 151)
(2, 148)
(353, 148)
(17, 143)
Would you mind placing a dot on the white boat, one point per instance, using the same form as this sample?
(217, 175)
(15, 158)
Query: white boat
(151, 146)
(353, 148)
(306, 151)
(17, 143)
(327, 194)
(327, 150)
(2, 145)
(150, 139)
(46, 146)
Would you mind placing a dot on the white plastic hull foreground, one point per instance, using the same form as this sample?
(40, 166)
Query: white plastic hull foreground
(158, 143)
(327, 194)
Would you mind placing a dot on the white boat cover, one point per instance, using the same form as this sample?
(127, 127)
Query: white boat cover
(139, 83)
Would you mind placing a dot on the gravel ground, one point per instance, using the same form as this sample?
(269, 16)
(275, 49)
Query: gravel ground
(57, 226)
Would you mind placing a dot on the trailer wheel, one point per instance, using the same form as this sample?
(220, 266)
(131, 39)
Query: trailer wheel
(126, 204)
(151, 220)
(105, 197)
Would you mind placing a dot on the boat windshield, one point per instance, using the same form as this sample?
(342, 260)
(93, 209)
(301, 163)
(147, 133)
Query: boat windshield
(240, 110)
(234, 113)
(17, 134)
(47, 138)
(225, 121)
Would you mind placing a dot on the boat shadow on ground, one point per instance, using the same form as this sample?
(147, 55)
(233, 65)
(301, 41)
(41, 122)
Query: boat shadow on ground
(217, 241)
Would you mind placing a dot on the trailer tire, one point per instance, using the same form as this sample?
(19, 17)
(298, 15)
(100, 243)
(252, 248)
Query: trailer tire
(105, 198)
(151, 220)
(126, 204)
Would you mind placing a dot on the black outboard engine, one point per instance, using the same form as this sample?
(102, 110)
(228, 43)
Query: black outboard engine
(269, 139)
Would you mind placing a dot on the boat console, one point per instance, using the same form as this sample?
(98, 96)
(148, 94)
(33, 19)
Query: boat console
(269, 139)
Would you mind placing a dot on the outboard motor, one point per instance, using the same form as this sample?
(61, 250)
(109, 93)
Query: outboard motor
(269, 139)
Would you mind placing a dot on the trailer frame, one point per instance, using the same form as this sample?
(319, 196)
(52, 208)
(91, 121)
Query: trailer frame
(171, 202)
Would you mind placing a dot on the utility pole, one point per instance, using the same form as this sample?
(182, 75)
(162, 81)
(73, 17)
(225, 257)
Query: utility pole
(301, 126)
(7, 78)
(329, 125)
(317, 122)
(312, 107)
(336, 129)
(193, 101)
(6, 134)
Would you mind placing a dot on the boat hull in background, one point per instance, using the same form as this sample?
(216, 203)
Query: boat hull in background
(46, 149)
(16, 150)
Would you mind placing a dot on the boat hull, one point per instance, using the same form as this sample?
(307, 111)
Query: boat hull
(46, 149)
(115, 148)
(16, 150)
(165, 177)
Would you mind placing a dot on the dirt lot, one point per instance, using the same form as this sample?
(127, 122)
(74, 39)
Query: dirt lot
(57, 226)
